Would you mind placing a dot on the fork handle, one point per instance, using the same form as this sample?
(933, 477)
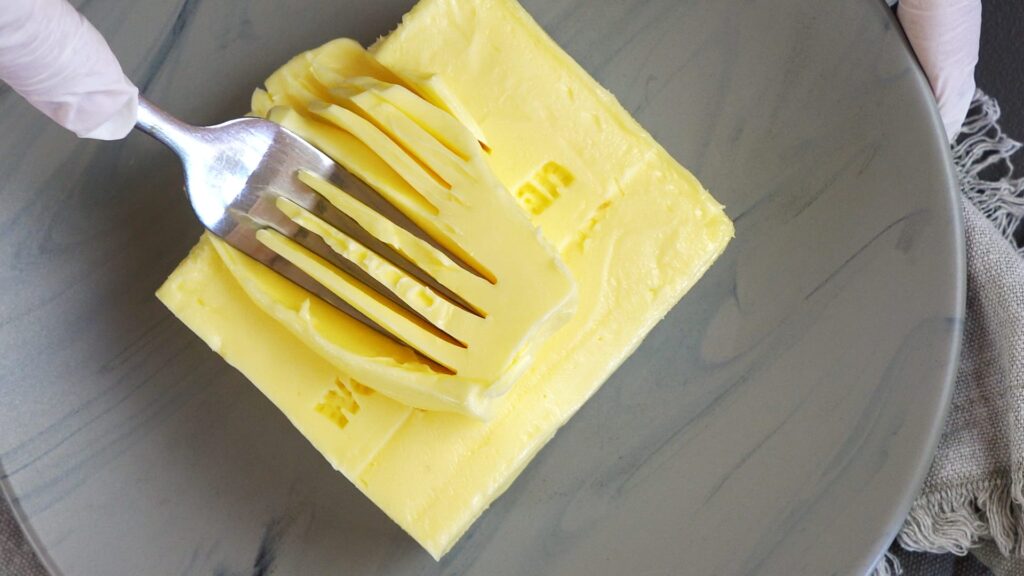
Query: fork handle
(164, 127)
(56, 60)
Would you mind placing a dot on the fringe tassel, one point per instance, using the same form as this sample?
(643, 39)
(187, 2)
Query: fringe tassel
(982, 157)
(954, 520)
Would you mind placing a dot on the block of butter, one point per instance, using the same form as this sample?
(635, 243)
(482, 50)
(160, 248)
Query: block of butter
(426, 165)
(634, 228)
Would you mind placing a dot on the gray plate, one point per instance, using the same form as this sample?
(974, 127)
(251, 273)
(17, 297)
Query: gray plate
(779, 421)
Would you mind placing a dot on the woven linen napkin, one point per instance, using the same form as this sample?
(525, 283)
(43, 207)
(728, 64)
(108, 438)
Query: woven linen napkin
(973, 496)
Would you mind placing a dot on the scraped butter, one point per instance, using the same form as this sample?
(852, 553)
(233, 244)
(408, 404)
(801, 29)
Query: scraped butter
(634, 228)
(515, 291)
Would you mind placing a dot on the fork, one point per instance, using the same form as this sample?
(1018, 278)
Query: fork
(235, 173)
(450, 293)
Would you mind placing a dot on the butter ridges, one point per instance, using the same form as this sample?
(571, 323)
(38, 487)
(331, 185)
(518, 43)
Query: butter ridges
(635, 229)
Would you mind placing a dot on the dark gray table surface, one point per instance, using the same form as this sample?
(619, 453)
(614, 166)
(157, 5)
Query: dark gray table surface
(1001, 64)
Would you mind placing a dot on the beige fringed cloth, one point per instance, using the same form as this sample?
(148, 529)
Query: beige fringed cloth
(973, 497)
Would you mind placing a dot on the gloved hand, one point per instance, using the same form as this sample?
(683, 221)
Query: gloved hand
(62, 65)
(945, 35)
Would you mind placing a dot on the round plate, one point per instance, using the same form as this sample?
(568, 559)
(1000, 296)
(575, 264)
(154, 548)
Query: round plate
(778, 421)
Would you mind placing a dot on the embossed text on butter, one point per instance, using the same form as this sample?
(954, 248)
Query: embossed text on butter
(341, 403)
(544, 187)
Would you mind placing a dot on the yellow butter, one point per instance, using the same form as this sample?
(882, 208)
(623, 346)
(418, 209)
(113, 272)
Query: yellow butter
(635, 229)
(418, 156)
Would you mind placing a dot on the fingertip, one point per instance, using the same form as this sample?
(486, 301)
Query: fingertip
(120, 121)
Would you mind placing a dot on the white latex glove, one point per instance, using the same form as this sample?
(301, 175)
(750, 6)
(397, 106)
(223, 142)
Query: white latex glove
(54, 58)
(945, 34)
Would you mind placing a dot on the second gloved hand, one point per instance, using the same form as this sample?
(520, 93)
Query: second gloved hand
(945, 35)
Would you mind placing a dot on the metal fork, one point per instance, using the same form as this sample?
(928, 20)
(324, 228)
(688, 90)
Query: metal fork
(236, 171)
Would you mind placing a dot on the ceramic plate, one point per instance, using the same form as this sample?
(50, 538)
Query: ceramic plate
(778, 421)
